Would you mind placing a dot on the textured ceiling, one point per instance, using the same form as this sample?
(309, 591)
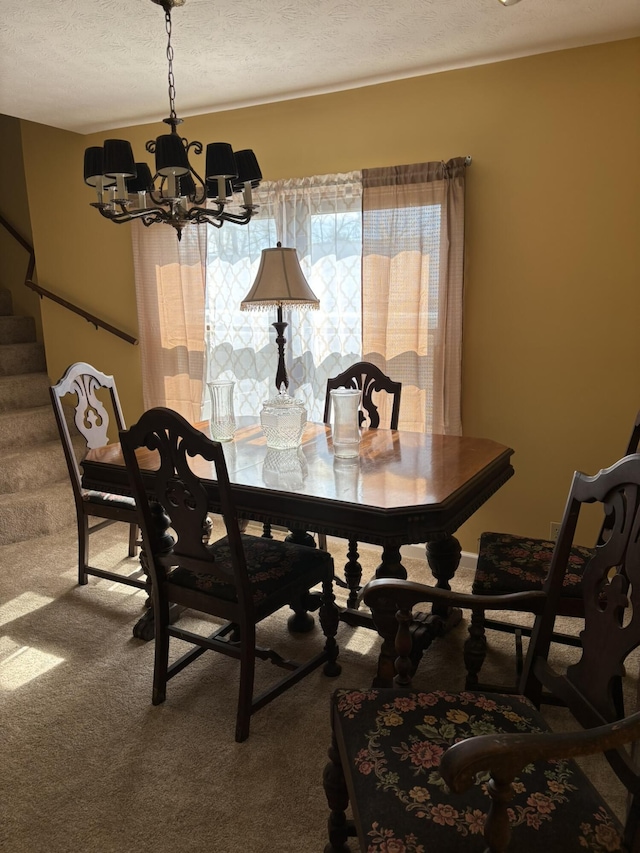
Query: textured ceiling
(88, 65)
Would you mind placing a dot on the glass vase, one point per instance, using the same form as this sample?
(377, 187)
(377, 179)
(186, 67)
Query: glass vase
(223, 422)
(345, 403)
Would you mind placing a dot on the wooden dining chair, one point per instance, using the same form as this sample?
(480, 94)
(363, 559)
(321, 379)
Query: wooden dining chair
(371, 381)
(79, 398)
(511, 563)
(241, 579)
(438, 770)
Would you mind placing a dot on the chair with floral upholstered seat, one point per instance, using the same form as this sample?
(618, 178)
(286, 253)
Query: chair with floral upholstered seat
(511, 563)
(240, 579)
(437, 770)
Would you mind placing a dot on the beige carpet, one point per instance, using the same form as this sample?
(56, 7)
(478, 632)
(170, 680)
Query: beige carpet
(88, 765)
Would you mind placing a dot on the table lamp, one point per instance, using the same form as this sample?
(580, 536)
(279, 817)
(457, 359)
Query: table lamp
(280, 282)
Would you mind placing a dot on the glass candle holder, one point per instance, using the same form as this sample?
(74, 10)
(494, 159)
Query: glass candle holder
(223, 422)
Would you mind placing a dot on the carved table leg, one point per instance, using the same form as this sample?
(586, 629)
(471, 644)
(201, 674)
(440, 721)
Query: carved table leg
(300, 537)
(301, 621)
(329, 620)
(443, 556)
(391, 565)
(353, 573)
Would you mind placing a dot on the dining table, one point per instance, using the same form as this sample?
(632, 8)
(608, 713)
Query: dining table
(403, 488)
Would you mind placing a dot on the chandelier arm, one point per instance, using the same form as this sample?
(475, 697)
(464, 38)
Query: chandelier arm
(202, 215)
(238, 218)
(199, 198)
(150, 219)
(132, 213)
(153, 214)
(217, 218)
(196, 212)
(150, 215)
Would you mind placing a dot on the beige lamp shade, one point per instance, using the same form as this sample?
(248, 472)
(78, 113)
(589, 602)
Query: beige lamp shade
(279, 281)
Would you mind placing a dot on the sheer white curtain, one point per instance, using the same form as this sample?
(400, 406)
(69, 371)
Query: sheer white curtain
(170, 290)
(321, 218)
(412, 286)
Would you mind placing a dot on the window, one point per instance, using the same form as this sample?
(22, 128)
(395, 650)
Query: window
(382, 249)
(322, 219)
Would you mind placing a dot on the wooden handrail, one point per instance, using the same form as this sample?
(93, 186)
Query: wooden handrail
(43, 292)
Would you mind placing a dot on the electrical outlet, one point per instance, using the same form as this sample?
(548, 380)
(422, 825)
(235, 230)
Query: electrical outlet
(554, 529)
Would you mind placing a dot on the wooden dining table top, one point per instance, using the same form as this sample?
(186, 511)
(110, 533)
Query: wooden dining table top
(403, 487)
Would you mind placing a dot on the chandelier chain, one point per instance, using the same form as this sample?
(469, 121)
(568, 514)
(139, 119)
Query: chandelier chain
(171, 79)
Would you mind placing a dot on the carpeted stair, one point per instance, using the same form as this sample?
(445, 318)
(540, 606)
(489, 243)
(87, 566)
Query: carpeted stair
(35, 494)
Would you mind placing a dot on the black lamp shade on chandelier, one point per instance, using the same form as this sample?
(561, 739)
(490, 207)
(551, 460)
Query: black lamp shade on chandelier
(220, 161)
(118, 159)
(143, 181)
(94, 174)
(175, 194)
(171, 157)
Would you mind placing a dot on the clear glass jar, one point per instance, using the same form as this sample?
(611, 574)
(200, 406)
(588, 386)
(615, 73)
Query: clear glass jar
(283, 419)
(345, 431)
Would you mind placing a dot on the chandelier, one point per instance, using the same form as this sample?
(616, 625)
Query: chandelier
(175, 194)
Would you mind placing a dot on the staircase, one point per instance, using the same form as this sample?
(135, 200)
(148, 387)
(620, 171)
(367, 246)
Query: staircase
(35, 493)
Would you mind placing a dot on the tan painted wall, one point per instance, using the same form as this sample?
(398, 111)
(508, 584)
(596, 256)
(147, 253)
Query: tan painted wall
(14, 207)
(551, 343)
(82, 258)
